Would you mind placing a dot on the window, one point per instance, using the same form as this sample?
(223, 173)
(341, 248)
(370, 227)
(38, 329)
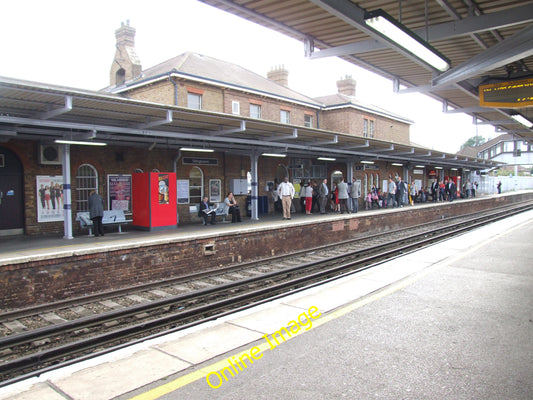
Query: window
(308, 121)
(86, 181)
(235, 107)
(368, 128)
(194, 101)
(285, 117)
(255, 111)
(196, 185)
(508, 147)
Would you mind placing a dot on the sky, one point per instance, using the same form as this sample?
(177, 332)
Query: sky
(72, 43)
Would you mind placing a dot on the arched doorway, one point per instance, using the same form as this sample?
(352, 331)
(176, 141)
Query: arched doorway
(336, 177)
(11, 194)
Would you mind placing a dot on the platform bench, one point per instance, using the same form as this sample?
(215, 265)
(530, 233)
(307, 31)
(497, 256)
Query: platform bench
(194, 210)
(111, 217)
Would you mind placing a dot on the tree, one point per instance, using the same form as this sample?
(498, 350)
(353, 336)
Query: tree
(473, 142)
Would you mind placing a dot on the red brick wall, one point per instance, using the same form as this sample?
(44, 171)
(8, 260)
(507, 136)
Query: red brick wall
(37, 282)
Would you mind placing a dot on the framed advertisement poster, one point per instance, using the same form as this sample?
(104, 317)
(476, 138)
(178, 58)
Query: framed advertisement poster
(215, 195)
(182, 191)
(50, 198)
(119, 192)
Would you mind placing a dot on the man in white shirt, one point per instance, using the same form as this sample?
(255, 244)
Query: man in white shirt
(286, 192)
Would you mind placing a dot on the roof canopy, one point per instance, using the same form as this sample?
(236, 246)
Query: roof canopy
(41, 112)
(487, 42)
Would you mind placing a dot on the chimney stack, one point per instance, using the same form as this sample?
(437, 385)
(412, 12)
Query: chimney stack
(279, 75)
(125, 35)
(346, 86)
(126, 65)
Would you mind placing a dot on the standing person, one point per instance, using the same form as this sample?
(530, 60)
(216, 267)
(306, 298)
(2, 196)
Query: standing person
(400, 192)
(334, 198)
(412, 193)
(355, 192)
(286, 192)
(275, 196)
(323, 195)
(232, 208)
(308, 198)
(342, 188)
(499, 187)
(435, 190)
(474, 188)
(96, 212)
(315, 198)
(303, 199)
(468, 189)
(452, 189)
(391, 191)
(442, 191)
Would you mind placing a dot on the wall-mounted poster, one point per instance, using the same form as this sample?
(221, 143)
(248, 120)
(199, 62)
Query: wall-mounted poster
(214, 191)
(183, 191)
(119, 192)
(50, 198)
(163, 188)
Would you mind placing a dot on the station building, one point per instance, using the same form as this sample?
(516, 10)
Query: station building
(215, 125)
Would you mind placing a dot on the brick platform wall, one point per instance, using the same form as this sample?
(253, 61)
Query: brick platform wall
(26, 284)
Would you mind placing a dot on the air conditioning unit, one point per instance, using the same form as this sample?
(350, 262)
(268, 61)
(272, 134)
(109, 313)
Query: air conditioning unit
(50, 154)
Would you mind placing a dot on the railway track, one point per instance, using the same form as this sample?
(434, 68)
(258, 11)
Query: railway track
(42, 338)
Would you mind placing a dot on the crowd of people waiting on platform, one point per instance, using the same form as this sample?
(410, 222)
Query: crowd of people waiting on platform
(343, 198)
(399, 193)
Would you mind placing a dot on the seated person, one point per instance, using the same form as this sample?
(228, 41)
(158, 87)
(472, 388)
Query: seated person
(206, 209)
(374, 199)
(231, 207)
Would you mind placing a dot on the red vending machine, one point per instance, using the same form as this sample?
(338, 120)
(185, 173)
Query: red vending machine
(154, 201)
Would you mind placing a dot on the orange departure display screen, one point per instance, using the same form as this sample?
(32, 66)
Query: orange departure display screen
(512, 94)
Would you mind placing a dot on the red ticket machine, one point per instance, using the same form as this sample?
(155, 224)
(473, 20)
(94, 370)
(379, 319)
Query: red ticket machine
(154, 201)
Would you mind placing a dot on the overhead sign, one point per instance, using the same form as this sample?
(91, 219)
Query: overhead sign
(511, 94)
(199, 161)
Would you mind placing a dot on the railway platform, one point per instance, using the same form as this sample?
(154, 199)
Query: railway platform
(450, 321)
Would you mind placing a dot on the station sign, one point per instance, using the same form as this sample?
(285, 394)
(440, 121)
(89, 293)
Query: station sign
(199, 161)
(510, 94)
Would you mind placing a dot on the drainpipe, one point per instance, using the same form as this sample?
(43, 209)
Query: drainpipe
(317, 122)
(175, 161)
(175, 87)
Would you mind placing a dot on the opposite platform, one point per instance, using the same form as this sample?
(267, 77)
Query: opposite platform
(452, 321)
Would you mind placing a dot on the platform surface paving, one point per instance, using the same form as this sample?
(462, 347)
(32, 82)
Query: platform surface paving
(452, 321)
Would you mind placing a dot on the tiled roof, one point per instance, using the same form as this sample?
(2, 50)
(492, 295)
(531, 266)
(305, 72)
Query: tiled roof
(342, 101)
(218, 72)
(473, 151)
(469, 151)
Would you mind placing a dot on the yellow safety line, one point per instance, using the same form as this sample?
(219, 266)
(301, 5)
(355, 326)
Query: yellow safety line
(160, 391)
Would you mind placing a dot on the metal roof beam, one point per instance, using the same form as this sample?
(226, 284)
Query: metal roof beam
(465, 110)
(406, 152)
(358, 146)
(294, 135)
(335, 140)
(507, 51)
(158, 122)
(222, 132)
(390, 148)
(58, 111)
(447, 30)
